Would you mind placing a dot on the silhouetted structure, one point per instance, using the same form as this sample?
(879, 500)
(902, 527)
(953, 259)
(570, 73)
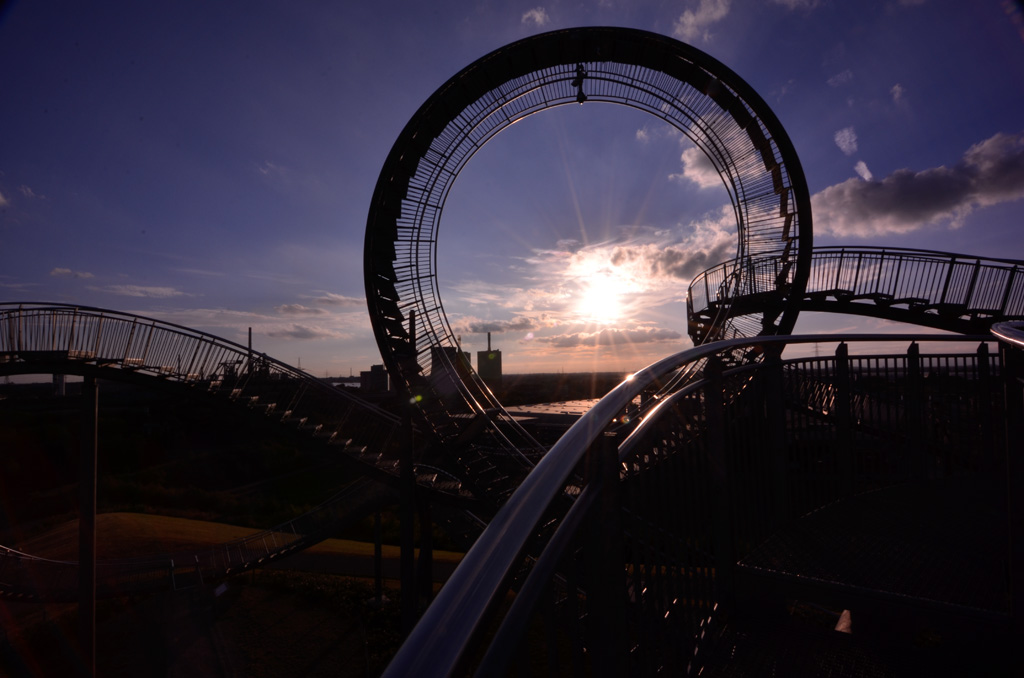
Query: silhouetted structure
(374, 380)
(488, 366)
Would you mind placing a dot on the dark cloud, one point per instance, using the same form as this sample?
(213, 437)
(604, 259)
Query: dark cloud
(518, 324)
(612, 337)
(990, 172)
(676, 261)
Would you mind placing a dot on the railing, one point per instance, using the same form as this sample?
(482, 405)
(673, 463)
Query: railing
(936, 288)
(618, 580)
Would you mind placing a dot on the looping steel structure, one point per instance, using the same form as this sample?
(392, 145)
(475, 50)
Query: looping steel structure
(719, 112)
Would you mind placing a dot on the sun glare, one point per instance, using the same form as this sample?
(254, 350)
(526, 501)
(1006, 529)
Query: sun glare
(600, 299)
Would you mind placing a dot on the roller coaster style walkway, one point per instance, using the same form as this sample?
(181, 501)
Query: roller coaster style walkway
(953, 292)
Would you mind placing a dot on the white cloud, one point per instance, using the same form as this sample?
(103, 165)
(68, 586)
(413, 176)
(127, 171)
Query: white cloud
(693, 24)
(298, 309)
(841, 78)
(141, 291)
(68, 273)
(897, 93)
(538, 16)
(798, 4)
(642, 135)
(990, 172)
(3, 201)
(332, 299)
(30, 194)
(846, 140)
(697, 167)
(861, 168)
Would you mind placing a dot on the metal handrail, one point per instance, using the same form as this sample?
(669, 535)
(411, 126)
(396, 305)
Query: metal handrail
(442, 637)
(1010, 332)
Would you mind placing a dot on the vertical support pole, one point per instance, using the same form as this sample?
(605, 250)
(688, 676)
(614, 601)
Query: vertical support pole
(378, 560)
(775, 428)
(606, 585)
(913, 407)
(721, 496)
(1013, 394)
(87, 455)
(425, 575)
(844, 428)
(407, 503)
(990, 457)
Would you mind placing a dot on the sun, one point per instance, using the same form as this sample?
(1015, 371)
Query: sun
(600, 299)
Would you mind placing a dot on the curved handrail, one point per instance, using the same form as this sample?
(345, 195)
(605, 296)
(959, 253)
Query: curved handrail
(1010, 332)
(441, 638)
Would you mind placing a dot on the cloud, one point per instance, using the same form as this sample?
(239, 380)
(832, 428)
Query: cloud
(693, 24)
(332, 299)
(302, 332)
(611, 337)
(298, 309)
(861, 168)
(897, 93)
(30, 194)
(798, 4)
(517, 324)
(68, 273)
(841, 78)
(140, 291)
(697, 167)
(538, 16)
(3, 201)
(989, 173)
(846, 140)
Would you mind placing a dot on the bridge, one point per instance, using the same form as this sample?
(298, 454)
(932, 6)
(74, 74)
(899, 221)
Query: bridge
(757, 501)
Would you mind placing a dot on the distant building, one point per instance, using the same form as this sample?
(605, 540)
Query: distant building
(488, 366)
(374, 381)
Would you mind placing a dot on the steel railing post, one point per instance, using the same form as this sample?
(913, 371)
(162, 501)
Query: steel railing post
(775, 425)
(1012, 359)
(721, 495)
(606, 579)
(87, 526)
(843, 418)
(914, 412)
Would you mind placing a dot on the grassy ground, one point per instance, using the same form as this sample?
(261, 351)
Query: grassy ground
(285, 622)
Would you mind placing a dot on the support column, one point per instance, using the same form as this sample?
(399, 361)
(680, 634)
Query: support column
(844, 421)
(1013, 394)
(87, 455)
(606, 579)
(407, 502)
(721, 496)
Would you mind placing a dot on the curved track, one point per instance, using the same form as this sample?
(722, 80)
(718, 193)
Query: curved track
(705, 100)
(953, 292)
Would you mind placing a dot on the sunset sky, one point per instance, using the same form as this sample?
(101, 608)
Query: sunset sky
(211, 163)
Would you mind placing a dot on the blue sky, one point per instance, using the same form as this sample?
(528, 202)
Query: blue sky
(211, 164)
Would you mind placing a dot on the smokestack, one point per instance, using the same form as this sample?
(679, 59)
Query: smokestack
(488, 341)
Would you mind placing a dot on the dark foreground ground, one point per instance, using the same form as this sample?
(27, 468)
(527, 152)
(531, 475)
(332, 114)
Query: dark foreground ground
(267, 623)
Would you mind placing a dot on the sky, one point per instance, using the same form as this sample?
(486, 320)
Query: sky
(212, 164)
